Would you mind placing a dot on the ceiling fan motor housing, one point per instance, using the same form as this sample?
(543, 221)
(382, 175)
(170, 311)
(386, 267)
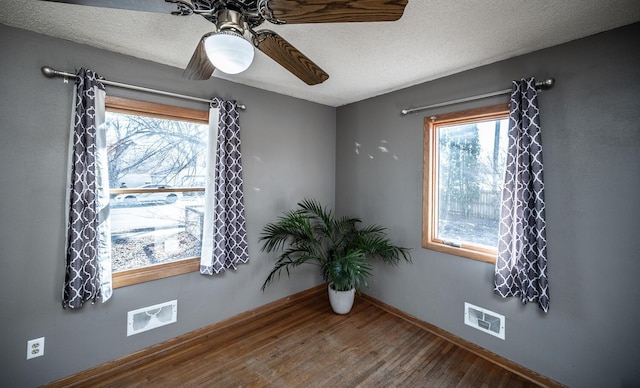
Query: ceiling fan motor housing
(230, 19)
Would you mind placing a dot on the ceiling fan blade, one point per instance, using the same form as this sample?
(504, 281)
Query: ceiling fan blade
(332, 11)
(199, 67)
(289, 57)
(133, 5)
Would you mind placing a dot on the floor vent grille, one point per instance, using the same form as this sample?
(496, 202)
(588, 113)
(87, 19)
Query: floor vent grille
(484, 320)
(150, 317)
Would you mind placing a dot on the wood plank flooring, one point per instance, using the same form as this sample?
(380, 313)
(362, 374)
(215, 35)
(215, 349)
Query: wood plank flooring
(304, 344)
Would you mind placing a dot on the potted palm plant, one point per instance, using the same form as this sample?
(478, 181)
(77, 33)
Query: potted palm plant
(312, 234)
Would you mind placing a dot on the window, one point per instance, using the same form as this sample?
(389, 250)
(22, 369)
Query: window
(465, 154)
(156, 157)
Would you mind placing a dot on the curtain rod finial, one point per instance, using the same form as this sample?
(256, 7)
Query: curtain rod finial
(49, 71)
(548, 83)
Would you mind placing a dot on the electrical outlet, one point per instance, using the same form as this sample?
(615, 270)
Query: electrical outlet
(35, 348)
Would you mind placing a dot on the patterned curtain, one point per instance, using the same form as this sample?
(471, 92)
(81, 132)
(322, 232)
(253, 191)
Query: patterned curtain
(521, 265)
(224, 243)
(88, 261)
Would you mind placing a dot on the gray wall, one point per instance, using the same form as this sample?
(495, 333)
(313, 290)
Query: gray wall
(591, 140)
(289, 153)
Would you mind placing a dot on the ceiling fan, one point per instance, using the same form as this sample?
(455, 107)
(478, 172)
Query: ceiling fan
(227, 49)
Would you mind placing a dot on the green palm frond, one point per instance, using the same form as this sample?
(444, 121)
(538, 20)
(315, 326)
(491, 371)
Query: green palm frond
(293, 226)
(291, 258)
(378, 245)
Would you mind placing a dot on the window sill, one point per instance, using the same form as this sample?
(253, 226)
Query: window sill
(462, 251)
(160, 271)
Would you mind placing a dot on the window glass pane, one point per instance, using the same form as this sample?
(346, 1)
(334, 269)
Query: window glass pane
(470, 171)
(146, 150)
(154, 221)
(148, 233)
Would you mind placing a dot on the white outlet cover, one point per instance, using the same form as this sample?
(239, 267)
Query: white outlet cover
(35, 348)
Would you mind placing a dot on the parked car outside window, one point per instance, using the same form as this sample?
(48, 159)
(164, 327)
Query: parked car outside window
(132, 199)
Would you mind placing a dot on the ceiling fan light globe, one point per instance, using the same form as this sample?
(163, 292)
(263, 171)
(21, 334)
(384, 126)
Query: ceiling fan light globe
(229, 52)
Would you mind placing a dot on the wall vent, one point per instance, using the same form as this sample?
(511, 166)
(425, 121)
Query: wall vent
(150, 317)
(484, 320)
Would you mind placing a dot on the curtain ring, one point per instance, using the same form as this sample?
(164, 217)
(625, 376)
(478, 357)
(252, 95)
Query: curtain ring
(215, 102)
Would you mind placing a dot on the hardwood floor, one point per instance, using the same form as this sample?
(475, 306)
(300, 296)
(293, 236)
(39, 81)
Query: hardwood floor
(303, 344)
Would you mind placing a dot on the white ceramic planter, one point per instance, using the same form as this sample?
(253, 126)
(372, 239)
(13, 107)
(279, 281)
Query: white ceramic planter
(341, 301)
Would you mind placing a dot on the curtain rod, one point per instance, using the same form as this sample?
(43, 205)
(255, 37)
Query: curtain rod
(51, 72)
(546, 84)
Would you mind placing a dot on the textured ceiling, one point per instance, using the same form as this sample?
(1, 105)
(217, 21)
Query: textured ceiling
(434, 38)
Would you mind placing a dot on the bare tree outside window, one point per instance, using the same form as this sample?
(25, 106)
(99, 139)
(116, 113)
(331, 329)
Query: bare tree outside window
(166, 151)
